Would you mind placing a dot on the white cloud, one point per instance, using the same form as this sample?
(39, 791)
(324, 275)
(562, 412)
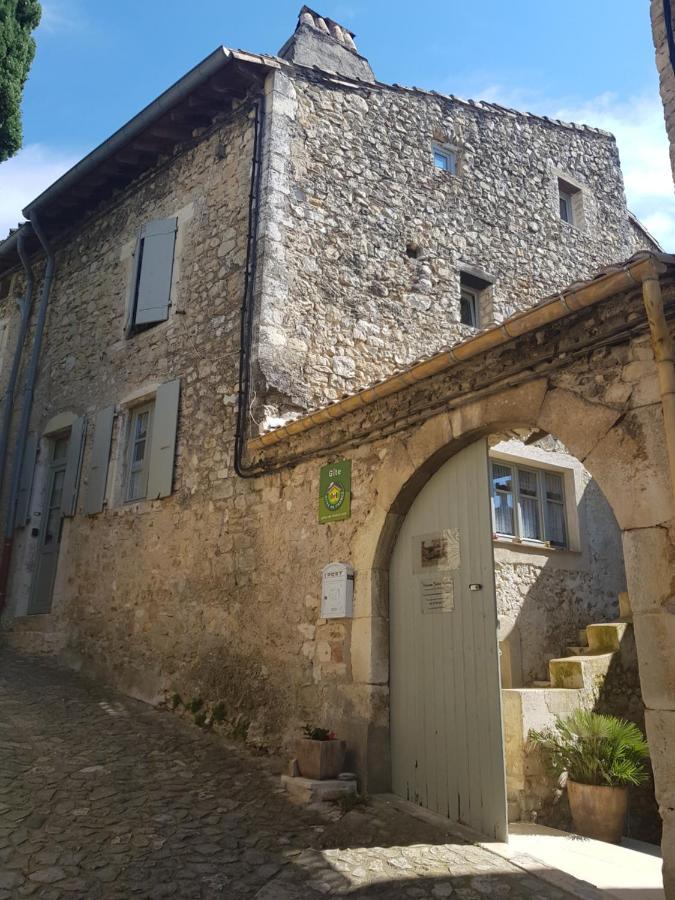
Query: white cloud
(25, 176)
(637, 123)
(59, 16)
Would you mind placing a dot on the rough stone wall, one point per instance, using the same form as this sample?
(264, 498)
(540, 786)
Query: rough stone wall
(119, 569)
(665, 69)
(215, 592)
(341, 303)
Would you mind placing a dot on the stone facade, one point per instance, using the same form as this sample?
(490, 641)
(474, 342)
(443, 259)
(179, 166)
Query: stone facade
(213, 592)
(342, 303)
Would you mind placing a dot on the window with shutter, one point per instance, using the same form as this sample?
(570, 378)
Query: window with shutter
(26, 481)
(153, 267)
(71, 477)
(151, 446)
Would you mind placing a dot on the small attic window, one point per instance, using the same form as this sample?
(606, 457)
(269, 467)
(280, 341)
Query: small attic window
(445, 159)
(570, 203)
(474, 296)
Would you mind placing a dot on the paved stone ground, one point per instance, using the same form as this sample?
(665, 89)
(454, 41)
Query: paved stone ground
(105, 797)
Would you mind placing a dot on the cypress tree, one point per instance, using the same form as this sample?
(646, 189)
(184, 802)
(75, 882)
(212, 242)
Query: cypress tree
(18, 18)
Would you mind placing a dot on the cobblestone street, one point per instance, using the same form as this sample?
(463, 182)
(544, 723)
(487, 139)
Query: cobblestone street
(104, 797)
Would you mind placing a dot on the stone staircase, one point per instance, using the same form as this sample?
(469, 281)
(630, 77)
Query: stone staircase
(587, 663)
(575, 681)
(35, 634)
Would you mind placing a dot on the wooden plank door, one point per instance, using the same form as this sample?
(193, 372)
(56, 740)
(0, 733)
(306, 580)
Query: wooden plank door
(50, 530)
(446, 727)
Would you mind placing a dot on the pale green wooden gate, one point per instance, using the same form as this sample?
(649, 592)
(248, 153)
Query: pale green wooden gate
(446, 727)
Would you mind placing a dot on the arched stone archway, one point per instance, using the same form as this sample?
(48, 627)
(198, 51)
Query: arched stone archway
(625, 452)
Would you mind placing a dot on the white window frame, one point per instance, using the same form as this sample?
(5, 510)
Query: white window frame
(572, 196)
(449, 154)
(565, 199)
(144, 468)
(471, 297)
(516, 466)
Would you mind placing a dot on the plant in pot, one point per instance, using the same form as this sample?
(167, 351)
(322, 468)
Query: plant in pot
(319, 753)
(601, 755)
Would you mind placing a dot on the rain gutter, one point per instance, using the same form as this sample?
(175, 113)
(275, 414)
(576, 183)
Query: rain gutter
(25, 306)
(662, 345)
(26, 409)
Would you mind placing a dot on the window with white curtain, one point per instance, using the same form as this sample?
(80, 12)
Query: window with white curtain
(528, 504)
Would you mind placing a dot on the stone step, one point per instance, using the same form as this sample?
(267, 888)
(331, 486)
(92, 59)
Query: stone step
(625, 609)
(36, 641)
(606, 637)
(573, 650)
(577, 672)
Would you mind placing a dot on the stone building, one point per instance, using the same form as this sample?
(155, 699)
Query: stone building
(235, 289)
(663, 31)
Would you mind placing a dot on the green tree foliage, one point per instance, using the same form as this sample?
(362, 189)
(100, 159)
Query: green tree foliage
(595, 749)
(18, 18)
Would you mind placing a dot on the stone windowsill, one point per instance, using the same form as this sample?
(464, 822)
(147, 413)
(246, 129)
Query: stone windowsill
(509, 543)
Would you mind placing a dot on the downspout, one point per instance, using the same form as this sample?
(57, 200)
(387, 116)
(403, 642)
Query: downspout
(247, 306)
(25, 305)
(26, 409)
(662, 345)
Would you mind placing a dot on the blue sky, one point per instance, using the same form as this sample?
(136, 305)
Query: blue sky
(585, 60)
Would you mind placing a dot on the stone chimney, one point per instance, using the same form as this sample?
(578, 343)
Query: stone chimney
(321, 42)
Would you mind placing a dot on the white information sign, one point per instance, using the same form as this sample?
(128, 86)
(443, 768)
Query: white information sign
(437, 593)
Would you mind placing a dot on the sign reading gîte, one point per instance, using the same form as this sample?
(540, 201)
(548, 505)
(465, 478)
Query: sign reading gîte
(335, 488)
(437, 594)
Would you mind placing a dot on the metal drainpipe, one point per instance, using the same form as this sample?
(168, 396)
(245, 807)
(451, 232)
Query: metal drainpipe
(244, 393)
(26, 409)
(662, 345)
(25, 305)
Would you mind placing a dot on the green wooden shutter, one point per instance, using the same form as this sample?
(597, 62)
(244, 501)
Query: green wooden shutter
(71, 479)
(163, 440)
(26, 481)
(98, 466)
(155, 267)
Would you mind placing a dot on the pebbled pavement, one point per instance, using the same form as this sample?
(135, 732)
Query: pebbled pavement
(104, 797)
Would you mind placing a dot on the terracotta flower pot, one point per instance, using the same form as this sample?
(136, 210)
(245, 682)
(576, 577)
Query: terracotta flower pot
(320, 759)
(598, 811)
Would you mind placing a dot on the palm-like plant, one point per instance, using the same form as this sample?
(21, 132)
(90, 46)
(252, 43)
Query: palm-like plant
(595, 749)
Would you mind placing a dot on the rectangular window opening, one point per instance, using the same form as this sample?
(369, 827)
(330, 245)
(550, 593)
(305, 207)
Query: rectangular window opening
(140, 432)
(472, 293)
(468, 307)
(570, 201)
(150, 298)
(445, 160)
(528, 504)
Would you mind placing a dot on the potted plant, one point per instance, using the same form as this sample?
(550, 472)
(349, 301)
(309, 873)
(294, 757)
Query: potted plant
(601, 755)
(320, 755)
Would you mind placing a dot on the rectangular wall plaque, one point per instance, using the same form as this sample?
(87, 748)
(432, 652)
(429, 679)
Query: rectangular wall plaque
(436, 551)
(335, 491)
(437, 594)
